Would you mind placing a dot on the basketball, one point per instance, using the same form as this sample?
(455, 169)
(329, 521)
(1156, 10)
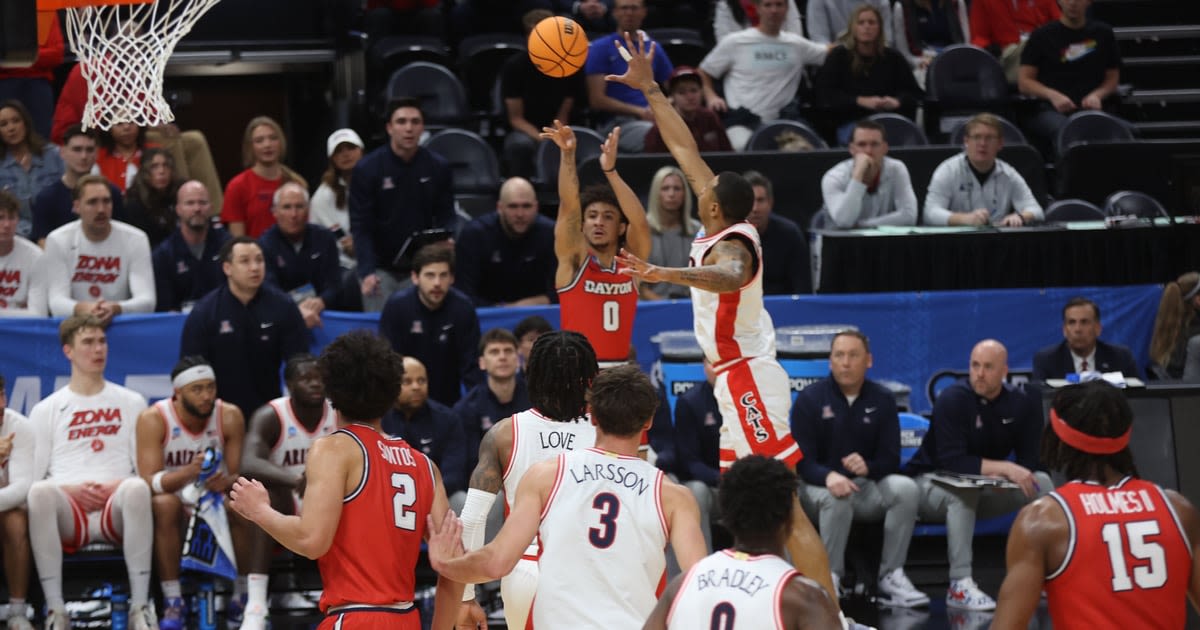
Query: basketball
(558, 47)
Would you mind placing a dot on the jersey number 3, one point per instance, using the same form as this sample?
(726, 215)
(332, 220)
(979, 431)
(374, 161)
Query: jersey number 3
(1152, 576)
(609, 507)
(405, 498)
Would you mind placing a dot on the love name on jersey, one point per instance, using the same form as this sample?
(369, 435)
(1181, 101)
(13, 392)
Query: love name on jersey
(1116, 502)
(608, 288)
(615, 473)
(748, 582)
(397, 455)
(102, 269)
(10, 281)
(559, 440)
(90, 423)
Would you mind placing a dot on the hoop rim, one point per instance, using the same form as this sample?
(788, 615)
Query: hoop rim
(54, 5)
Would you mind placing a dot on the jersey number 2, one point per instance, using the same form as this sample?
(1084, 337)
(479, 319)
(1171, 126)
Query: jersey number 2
(609, 507)
(405, 498)
(1152, 576)
(611, 311)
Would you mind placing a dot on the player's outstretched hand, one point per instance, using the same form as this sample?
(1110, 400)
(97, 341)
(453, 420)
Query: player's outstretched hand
(631, 265)
(561, 135)
(608, 150)
(249, 498)
(640, 74)
(445, 542)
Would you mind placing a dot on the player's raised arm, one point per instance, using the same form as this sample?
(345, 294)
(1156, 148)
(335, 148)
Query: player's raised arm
(674, 132)
(569, 244)
(637, 235)
(728, 267)
(1031, 538)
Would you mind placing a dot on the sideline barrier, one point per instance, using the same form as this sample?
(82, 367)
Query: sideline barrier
(913, 335)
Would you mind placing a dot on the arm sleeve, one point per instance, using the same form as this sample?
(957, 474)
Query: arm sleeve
(20, 463)
(362, 219)
(951, 413)
(886, 460)
(843, 196)
(141, 278)
(904, 200)
(716, 63)
(804, 429)
(57, 276)
(469, 260)
(937, 196)
(687, 445)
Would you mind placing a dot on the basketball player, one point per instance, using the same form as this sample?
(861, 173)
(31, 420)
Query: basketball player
(88, 490)
(732, 327)
(16, 474)
(171, 438)
(367, 499)
(560, 369)
(754, 496)
(277, 444)
(1110, 550)
(603, 517)
(595, 298)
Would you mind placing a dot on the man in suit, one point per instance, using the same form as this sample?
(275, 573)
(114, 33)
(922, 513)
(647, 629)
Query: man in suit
(1081, 350)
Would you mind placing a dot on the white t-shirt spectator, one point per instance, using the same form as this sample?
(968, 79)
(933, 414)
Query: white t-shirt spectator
(761, 72)
(324, 211)
(117, 269)
(86, 438)
(22, 293)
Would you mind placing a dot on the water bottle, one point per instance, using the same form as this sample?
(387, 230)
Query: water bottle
(120, 610)
(207, 610)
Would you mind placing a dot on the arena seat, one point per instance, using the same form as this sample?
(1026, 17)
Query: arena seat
(587, 145)
(1068, 210)
(684, 46)
(475, 166)
(899, 130)
(1092, 126)
(1131, 202)
(765, 138)
(442, 97)
(962, 80)
(480, 58)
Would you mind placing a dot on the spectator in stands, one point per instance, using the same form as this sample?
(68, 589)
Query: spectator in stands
(469, 17)
(506, 257)
(404, 17)
(16, 467)
(1081, 349)
(1002, 27)
(181, 276)
(976, 426)
(731, 16)
(870, 188)
(1071, 64)
(244, 328)
(697, 439)
(301, 258)
(677, 13)
(596, 16)
(977, 188)
(687, 95)
(97, 266)
(829, 19)
(533, 100)
(847, 426)
(330, 205)
(22, 293)
(754, 91)
(527, 331)
(862, 76)
(613, 103)
(193, 158)
(248, 196)
(397, 190)
(787, 269)
(53, 207)
(172, 436)
(86, 486)
(431, 427)
(27, 162)
(33, 85)
(119, 155)
(150, 201)
(499, 396)
(924, 27)
(1175, 325)
(673, 227)
(436, 324)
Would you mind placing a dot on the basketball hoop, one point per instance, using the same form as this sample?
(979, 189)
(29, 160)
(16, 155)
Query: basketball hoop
(123, 47)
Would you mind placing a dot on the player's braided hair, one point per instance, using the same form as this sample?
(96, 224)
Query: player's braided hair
(756, 497)
(1098, 409)
(560, 371)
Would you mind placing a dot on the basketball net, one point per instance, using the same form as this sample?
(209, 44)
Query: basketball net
(123, 51)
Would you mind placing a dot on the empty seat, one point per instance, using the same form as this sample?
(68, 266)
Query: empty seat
(396, 51)
(1012, 133)
(1067, 210)
(442, 97)
(1131, 202)
(962, 80)
(900, 131)
(587, 145)
(766, 137)
(476, 169)
(1092, 126)
(480, 58)
(684, 46)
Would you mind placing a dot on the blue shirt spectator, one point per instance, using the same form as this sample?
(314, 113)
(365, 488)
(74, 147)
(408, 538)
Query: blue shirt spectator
(429, 426)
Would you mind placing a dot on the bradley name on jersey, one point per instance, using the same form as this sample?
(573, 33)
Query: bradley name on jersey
(90, 423)
(748, 582)
(583, 472)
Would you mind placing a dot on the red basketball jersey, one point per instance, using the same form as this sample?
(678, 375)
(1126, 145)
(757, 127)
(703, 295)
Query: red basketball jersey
(379, 536)
(1128, 562)
(601, 304)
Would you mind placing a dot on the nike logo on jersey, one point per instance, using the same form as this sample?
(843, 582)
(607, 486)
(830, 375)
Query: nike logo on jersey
(425, 179)
(870, 409)
(1007, 420)
(266, 324)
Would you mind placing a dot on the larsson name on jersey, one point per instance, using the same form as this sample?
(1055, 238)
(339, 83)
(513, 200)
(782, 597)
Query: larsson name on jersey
(91, 423)
(748, 582)
(1116, 502)
(608, 288)
(102, 269)
(614, 472)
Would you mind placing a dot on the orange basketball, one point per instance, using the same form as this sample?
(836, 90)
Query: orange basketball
(558, 47)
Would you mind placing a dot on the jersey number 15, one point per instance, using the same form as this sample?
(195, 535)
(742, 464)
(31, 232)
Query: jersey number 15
(1153, 575)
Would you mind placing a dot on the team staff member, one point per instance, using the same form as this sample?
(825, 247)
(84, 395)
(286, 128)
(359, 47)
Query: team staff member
(1111, 550)
(595, 298)
(244, 329)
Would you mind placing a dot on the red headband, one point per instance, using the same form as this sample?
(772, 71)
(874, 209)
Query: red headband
(1087, 443)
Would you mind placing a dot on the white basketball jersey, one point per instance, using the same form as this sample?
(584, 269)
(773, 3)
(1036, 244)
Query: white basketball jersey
(604, 533)
(86, 438)
(537, 438)
(180, 444)
(732, 326)
(291, 449)
(731, 584)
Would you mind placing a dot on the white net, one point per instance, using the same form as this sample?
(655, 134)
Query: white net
(123, 51)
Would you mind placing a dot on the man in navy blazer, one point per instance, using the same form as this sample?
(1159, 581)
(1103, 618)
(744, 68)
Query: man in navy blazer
(1081, 350)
